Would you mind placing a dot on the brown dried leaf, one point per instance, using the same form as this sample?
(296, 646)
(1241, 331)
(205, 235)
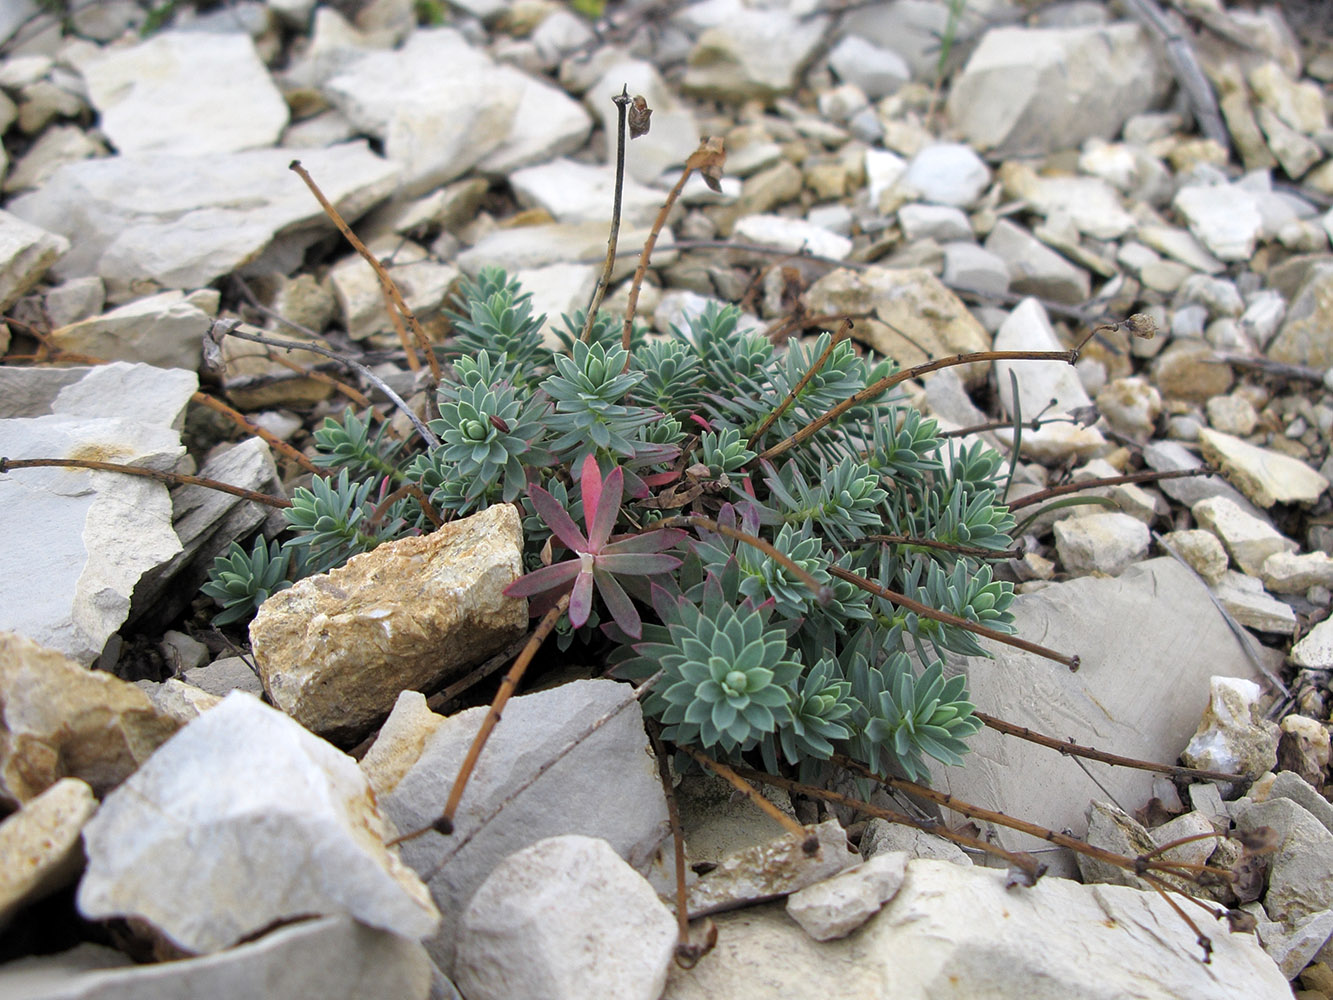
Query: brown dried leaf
(710, 159)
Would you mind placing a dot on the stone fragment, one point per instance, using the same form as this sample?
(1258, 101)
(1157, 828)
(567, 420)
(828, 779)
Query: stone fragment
(1289, 785)
(1265, 476)
(334, 958)
(777, 868)
(177, 700)
(954, 932)
(1295, 152)
(1189, 370)
(1300, 874)
(1289, 573)
(1202, 550)
(565, 918)
(1178, 244)
(1089, 203)
(1172, 455)
(1104, 74)
(1130, 405)
(150, 222)
(1106, 543)
(1315, 650)
(1139, 688)
(1233, 414)
(1112, 829)
(606, 786)
(577, 192)
(335, 649)
(1303, 750)
(1244, 598)
(752, 54)
(946, 173)
(913, 316)
(941, 223)
(246, 365)
(878, 71)
(557, 243)
(57, 146)
(165, 330)
(1248, 539)
(557, 290)
(60, 719)
(883, 837)
(283, 825)
(1300, 105)
(26, 254)
(39, 845)
(423, 283)
(1303, 338)
(792, 235)
(1225, 218)
(1034, 268)
(186, 93)
(1292, 948)
(1233, 735)
(1155, 273)
(74, 300)
(839, 905)
(95, 534)
(769, 188)
(970, 268)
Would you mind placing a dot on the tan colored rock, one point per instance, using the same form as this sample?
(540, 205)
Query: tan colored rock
(399, 743)
(914, 302)
(39, 845)
(1303, 338)
(1300, 105)
(1289, 573)
(165, 330)
(58, 719)
(1247, 538)
(1188, 369)
(1201, 550)
(1264, 476)
(335, 650)
(247, 365)
(1239, 116)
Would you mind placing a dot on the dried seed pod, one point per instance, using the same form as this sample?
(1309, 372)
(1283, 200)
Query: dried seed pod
(639, 115)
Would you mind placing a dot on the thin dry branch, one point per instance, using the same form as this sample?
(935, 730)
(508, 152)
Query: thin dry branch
(172, 478)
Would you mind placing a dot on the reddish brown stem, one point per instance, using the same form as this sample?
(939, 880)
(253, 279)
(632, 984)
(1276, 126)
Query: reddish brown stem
(809, 842)
(805, 380)
(174, 478)
(1091, 484)
(238, 418)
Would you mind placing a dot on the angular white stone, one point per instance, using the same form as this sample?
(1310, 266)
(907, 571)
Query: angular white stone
(567, 919)
(165, 330)
(1034, 268)
(1201, 549)
(753, 53)
(1244, 598)
(280, 825)
(941, 223)
(1316, 647)
(792, 235)
(26, 253)
(1233, 736)
(946, 173)
(839, 905)
(954, 932)
(1225, 218)
(1289, 573)
(579, 192)
(189, 93)
(877, 71)
(606, 787)
(1106, 543)
(1248, 539)
(1266, 477)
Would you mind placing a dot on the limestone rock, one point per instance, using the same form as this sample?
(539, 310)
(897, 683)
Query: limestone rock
(1233, 735)
(882, 837)
(1034, 268)
(334, 958)
(558, 243)
(1106, 543)
(777, 868)
(1315, 650)
(578, 192)
(1225, 218)
(26, 253)
(566, 918)
(953, 932)
(1112, 829)
(1138, 688)
(1089, 203)
(282, 825)
(1249, 540)
(792, 235)
(1202, 550)
(149, 222)
(1265, 476)
(606, 786)
(1289, 573)
(186, 92)
(165, 330)
(941, 223)
(1303, 750)
(1169, 455)
(1130, 405)
(1244, 598)
(752, 54)
(1300, 878)
(335, 650)
(946, 173)
(39, 845)
(60, 719)
(839, 905)
(94, 534)
(1104, 74)
(912, 313)
(246, 364)
(1303, 339)
(877, 71)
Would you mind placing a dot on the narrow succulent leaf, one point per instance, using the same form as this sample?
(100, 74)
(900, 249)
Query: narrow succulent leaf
(618, 603)
(562, 526)
(580, 600)
(544, 579)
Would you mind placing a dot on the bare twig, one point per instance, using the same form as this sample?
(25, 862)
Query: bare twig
(272, 440)
(174, 478)
(809, 842)
(390, 287)
(790, 398)
(621, 102)
(1092, 484)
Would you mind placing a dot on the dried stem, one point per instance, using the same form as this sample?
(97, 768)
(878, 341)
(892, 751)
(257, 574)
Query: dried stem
(228, 328)
(820, 361)
(1091, 484)
(925, 611)
(238, 418)
(621, 102)
(174, 478)
(889, 381)
(1071, 749)
(1026, 862)
(390, 288)
(930, 543)
(445, 822)
(809, 842)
